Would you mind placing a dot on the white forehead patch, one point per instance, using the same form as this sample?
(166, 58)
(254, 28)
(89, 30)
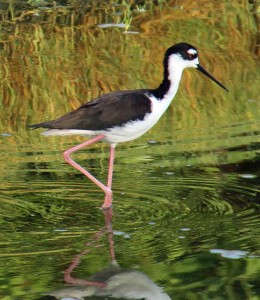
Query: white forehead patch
(192, 51)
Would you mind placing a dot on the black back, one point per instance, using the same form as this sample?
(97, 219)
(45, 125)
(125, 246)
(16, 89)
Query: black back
(104, 112)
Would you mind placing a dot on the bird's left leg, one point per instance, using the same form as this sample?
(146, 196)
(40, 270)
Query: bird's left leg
(107, 190)
(108, 201)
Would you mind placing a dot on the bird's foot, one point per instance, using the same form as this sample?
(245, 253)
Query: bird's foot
(108, 200)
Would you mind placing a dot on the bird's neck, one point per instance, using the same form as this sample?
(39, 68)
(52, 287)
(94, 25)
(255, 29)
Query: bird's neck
(171, 79)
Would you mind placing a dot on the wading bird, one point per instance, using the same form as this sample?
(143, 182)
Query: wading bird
(123, 116)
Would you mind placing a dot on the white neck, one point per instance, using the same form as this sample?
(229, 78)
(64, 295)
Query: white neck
(175, 67)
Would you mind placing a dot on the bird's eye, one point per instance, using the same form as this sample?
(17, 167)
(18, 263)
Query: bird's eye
(192, 56)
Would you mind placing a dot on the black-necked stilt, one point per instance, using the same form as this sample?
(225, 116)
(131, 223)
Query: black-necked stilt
(124, 115)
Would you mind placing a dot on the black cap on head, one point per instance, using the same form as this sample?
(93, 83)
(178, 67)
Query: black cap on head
(187, 51)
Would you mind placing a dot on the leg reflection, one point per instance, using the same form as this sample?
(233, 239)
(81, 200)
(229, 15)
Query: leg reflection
(112, 281)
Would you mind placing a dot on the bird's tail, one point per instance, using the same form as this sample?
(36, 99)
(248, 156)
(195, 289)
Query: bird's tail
(41, 125)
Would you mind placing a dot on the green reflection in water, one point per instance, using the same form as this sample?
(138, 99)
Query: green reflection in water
(185, 193)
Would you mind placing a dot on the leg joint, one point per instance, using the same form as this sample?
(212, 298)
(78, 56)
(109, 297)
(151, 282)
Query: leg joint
(66, 155)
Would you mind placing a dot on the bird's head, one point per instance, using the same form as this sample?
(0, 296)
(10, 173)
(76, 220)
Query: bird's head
(183, 56)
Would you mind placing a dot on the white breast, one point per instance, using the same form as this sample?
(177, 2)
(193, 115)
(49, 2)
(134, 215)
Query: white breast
(134, 129)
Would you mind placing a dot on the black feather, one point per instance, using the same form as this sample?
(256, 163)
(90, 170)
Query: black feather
(104, 112)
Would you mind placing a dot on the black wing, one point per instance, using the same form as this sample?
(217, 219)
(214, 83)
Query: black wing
(104, 112)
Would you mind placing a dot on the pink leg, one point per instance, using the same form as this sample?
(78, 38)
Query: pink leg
(108, 201)
(107, 189)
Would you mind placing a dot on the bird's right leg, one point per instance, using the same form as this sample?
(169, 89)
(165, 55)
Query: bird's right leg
(68, 159)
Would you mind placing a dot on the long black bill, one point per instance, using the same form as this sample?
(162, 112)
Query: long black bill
(202, 70)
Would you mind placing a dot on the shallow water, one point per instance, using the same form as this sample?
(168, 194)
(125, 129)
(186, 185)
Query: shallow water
(186, 194)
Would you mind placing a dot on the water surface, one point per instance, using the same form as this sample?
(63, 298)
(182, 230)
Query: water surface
(186, 194)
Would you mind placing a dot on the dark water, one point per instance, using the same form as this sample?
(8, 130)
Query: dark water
(186, 194)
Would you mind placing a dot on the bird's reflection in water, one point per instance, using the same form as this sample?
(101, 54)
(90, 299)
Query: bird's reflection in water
(113, 282)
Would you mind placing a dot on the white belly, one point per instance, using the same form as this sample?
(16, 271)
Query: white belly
(126, 132)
